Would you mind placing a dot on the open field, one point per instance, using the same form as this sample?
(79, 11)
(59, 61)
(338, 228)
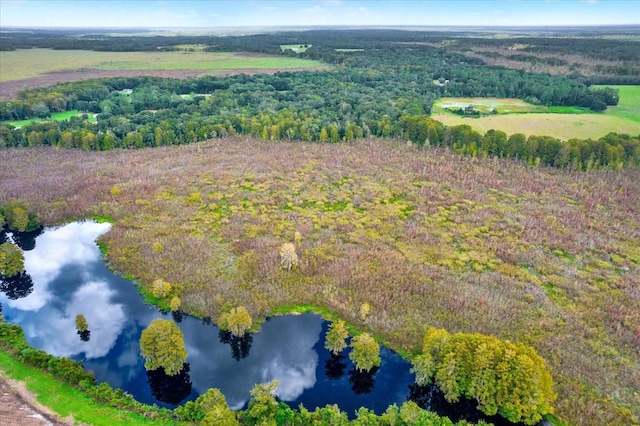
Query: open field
(427, 238)
(58, 116)
(298, 48)
(23, 64)
(42, 67)
(629, 106)
(517, 116)
(486, 105)
(561, 126)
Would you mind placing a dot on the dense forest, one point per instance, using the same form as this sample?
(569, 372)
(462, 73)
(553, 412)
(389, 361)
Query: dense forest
(382, 85)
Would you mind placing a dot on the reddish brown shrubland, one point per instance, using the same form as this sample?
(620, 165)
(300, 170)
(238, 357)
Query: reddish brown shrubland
(426, 238)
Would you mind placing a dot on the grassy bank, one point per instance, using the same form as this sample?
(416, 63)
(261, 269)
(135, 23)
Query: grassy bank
(67, 401)
(423, 237)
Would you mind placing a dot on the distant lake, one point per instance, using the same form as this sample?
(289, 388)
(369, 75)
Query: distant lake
(69, 277)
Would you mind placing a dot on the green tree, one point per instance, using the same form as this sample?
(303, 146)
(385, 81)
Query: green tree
(214, 408)
(160, 288)
(17, 216)
(40, 109)
(11, 260)
(504, 378)
(81, 323)
(365, 353)
(162, 345)
(337, 334)
(175, 303)
(263, 405)
(237, 321)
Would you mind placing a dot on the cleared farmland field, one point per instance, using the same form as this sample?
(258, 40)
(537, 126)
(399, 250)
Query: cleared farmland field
(27, 69)
(517, 116)
(23, 64)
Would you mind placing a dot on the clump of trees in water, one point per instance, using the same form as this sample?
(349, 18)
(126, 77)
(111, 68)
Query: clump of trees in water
(15, 218)
(210, 408)
(504, 378)
(162, 346)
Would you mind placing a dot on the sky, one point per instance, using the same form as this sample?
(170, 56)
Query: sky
(242, 13)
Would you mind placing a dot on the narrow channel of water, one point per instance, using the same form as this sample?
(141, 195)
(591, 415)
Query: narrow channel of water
(68, 277)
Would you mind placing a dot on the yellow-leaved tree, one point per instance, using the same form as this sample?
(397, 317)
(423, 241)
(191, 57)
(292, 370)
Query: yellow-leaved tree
(162, 345)
(505, 378)
(236, 320)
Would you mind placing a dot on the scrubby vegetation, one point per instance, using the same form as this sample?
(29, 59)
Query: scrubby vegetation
(539, 256)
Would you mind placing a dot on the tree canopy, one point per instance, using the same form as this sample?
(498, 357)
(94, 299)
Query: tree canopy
(81, 323)
(11, 260)
(337, 334)
(365, 352)
(236, 320)
(162, 345)
(504, 378)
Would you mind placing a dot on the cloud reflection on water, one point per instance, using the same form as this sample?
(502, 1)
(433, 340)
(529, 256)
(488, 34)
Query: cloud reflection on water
(48, 320)
(70, 278)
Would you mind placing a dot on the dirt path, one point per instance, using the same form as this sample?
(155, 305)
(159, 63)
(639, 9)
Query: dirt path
(18, 407)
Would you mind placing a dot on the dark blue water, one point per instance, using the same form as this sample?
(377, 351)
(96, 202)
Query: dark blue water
(66, 277)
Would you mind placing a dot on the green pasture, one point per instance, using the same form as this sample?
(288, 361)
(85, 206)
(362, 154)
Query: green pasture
(517, 116)
(298, 48)
(502, 106)
(561, 126)
(28, 63)
(58, 116)
(349, 50)
(629, 105)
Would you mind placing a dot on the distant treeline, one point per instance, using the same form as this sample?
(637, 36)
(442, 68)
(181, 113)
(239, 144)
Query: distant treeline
(619, 57)
(285, 106)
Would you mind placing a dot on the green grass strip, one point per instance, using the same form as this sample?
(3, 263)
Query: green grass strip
(68, 401)
(58, 116)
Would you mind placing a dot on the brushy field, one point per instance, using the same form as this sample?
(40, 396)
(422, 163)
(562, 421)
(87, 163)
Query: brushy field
(23, 64)
(425, 237)
(517, 116)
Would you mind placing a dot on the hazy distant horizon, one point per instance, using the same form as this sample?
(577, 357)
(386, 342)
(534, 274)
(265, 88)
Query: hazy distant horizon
(193, 14)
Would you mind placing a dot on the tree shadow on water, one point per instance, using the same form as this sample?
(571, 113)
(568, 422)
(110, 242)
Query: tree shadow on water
(362, 382)
(240, 346)
(27, 240)
(17, 286)
(431, 398)
(170, 389)
(85, 335)
(334, 366)
(177, 316)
